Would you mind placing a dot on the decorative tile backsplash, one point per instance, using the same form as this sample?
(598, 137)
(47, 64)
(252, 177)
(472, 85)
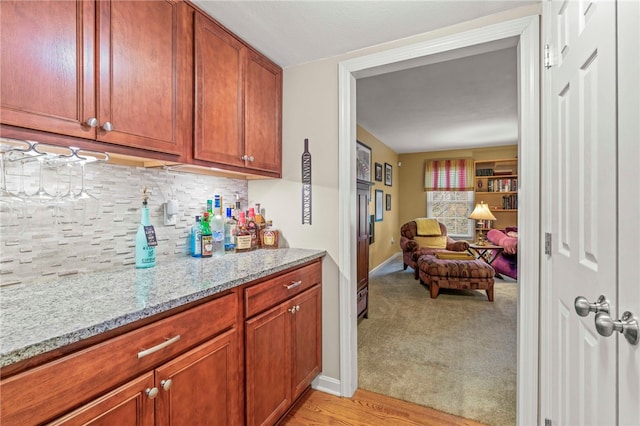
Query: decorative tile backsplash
(42, 240)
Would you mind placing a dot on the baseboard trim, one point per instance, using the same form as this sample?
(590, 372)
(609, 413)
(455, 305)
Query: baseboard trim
(389, 260)
(327, 384)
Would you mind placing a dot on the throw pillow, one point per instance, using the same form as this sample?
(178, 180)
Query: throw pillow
(432, 242)
(426, 227)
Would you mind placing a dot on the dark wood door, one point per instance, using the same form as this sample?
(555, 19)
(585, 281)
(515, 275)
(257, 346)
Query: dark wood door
(47, 66)
(142, 75)
(263, 115)
(307, 339)
(205, 385)
(127, 405)
(362, 244)
(268, 365)
(219, 73)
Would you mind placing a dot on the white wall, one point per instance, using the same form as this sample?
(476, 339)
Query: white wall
(310, 110)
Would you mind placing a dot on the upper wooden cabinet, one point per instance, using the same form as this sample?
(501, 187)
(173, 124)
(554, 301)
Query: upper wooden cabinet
(108, 71)
(238, 103)
(47, 67)
(142, 75)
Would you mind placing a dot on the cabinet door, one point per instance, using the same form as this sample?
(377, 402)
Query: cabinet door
(141, 75)
(268, 365)
(219, 72)
(307, 339)
(47, 70)
(127, 405)
(263, 111)
(203, 386)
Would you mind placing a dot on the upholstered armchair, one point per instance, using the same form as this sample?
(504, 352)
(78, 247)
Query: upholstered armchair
(411, 249)
(507, 262)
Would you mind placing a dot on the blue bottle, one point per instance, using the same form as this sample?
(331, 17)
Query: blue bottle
(196, 238)
(145, 238)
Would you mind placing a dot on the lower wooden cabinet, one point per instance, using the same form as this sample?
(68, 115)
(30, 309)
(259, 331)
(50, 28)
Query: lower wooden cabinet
(283, 354)
(187, 368)
(201, 387)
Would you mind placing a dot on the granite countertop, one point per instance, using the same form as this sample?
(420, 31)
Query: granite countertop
(37, 318)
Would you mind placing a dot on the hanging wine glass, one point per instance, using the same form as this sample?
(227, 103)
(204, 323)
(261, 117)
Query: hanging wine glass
(90, 203)
(49, 156)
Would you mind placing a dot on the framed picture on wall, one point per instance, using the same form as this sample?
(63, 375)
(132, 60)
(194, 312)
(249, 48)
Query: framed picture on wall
(379, 205)
(379, 172)
(388, 202)
(388, 172)
(363, 162)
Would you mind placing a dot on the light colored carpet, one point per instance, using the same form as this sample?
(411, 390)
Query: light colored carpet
(456, 353)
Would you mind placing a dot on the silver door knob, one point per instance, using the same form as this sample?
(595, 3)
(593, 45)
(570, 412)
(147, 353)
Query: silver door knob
(92, 122)
(151, 393)
(251, 158)
(583, 307)
(628, 326)
(107, 127)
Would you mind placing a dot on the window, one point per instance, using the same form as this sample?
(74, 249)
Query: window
(453, 209)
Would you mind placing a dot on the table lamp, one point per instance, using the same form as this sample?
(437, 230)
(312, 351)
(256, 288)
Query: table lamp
(484, 215)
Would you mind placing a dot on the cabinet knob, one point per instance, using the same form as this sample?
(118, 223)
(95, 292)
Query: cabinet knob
(247, 158)
(166, 384)
(92, 122)
(251, 158)
(152, 393)
(107, 127)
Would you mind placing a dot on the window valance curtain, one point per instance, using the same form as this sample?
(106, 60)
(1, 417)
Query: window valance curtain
(449, 175)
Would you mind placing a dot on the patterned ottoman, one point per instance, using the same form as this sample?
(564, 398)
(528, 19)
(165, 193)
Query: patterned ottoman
(455, 274)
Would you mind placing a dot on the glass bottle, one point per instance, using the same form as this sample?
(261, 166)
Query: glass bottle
(145, 238)
(196, 238)
(230, 232)
(252, 226)
(269, 237)
(243, 236)
(206, 238)
(217, 228)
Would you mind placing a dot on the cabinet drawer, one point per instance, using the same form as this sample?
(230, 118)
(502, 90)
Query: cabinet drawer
(51, 389)
(262, 296)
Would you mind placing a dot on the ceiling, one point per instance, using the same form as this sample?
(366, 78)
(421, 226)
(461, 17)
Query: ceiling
(457, 101)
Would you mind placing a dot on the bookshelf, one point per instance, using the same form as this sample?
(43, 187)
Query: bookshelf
(496, 183)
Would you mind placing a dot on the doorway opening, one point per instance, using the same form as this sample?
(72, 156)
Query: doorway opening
(527, 29)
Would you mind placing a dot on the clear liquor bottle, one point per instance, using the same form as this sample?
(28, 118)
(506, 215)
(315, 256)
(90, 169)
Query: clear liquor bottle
(230, 232)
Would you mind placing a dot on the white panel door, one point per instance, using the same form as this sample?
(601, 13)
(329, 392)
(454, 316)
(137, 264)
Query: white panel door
(629, 203)
(579, 381)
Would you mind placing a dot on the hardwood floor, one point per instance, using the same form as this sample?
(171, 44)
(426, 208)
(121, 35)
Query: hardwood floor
(365, 409)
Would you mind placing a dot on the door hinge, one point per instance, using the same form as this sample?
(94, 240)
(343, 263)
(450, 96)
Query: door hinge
(547, 243)
(547, 422)
(547, 56)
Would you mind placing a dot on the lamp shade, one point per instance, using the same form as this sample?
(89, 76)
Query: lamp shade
(482, 212)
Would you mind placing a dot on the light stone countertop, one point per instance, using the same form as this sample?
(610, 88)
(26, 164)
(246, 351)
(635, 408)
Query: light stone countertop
(37, 318)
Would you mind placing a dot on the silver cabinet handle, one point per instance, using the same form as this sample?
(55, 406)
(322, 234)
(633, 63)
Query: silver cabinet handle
(156, 348)
(293, 284)
(583, 307)
(628, 326)
(107, 127)
(151, 393)
(251, 158)
(92, 122)
(247, 158)
(166, 384)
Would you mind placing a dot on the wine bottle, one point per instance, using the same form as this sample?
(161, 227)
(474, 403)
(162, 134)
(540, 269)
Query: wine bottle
(145, 237)
(206, 238)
